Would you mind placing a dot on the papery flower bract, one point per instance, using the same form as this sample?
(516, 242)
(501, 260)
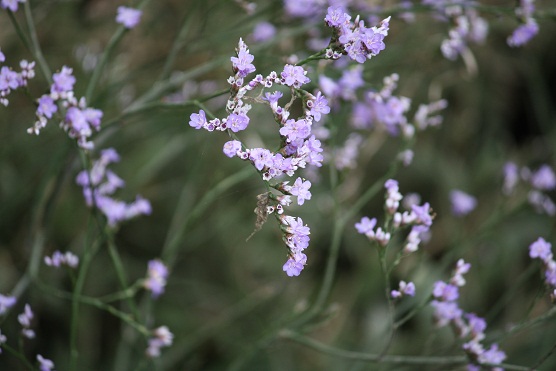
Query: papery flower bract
(128, 17)
(6, 302)
(45, 364)
(157, 273)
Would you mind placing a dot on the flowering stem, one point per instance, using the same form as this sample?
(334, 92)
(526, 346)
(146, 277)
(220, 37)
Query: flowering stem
(35, 43)
(366, 357)
(313, 57)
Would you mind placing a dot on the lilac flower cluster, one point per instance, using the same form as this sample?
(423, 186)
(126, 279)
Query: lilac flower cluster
(419, 218)
(58, 259)
(157, 273)
(528, 28)
(6, 302)
(79, 120)
(353, 38)
(540, 249)
(299, 147)
(128, 17)
(469, 27)
(45, 364)
(162, 338)
(24, 320)
(467, 326)
(98, 186)
(541, 181)
(11, 80)
(11, 5)
(462, 203)
(405, 288)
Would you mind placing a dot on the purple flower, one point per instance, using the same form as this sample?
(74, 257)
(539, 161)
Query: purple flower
(293, 129)
(462, 203)
(237, 122)
(197, 120)
(58, 259)
(295, 264)
(129, 17)
(3, 339)
(11, 4)
(366, 225)
(272, 98)
(543, 179)
(301, 189)
(157, 273)
(294, 76)
(162, 338)
(242, 63)
(261, 158)
(404, 289)
(477, 325)
(2, 57)
(318, 106)
(24, 320)
(45, 364)
(8, 79)
(46, 107)
(336, 17)
(6, 302)
(63, 81)
(511, 177)
(422, 214)
(540, 249)
(524, 33)
(231, 148)
(492, 356)
(263, 31)
(445, 291)
(444, 312)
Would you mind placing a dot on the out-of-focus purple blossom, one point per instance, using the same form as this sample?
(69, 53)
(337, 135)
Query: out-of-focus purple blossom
(263, 31)
(162, 338)
(6, 302)
(304, 8)
(45, 364)
(445, 292)
(511, 177)
(346, 156)
(11, 5)
(128, 17)
(543, 179)
(423, 118)
(444, 312)
(24, 320)
(476, 326)
(523, 33)
(404, 289)
(541, 202)
(58, 259)
(541, 249)
(2, 57)
(63, 80)
(157, 273)
(492, 356)
(422, 214)
(46, 107)
(462, 203)
(3, 339)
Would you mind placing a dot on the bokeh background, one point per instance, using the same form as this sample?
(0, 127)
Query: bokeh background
(224, 293)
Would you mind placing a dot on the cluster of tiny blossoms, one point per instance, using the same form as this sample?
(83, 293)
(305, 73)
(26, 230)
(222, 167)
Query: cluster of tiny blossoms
(299, 148)
(58, 259)
(11, 80)
(467, 326)
(541, 181)
(528, 28)
(353, 38)
(157, 273)
(79, 121)
(11, 5)
(540, 249)
(100, 183)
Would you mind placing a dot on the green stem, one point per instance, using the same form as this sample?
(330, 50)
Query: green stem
(120, 271)
(20, 32)
(366, 357)
(381, 250)
(313, 57)
(35, 43)
(18, 355)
